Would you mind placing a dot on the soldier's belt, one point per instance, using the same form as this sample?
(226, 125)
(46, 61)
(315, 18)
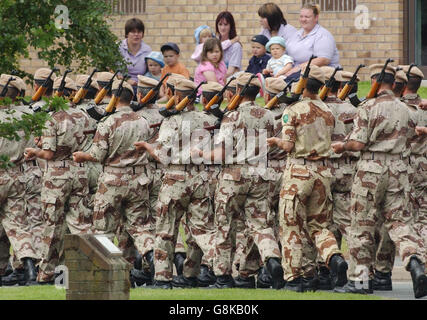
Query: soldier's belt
(336, 162)
(381, 156)
(276, 163)
(17, 167)
(125, 170)
(156, 165)
(303, 161)
(187, 167)
(63, 164)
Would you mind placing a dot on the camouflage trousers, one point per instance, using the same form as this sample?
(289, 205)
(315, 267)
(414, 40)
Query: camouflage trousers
(184, 192)
(13, 215)
(305, 216)
(419, 166)
(380, 195)
(123, 198)
(241, 192)
(94, 170)
(4, 250)
(65, 205)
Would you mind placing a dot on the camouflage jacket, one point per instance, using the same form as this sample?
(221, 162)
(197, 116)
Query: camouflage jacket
(12, 148)
(418, 143)
(115, 136)
(309, 124)
(274, 153)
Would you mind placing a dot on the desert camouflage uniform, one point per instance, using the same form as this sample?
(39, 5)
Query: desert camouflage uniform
(122, 195)
(64, 193)
(305, 199)
(243, 185)
(381, 187)
(184, 191)
(12, 194)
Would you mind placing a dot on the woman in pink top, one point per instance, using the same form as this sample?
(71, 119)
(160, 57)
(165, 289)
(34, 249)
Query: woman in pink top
(212, 67)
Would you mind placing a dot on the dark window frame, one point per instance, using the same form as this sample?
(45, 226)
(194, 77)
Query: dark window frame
(128, 7)
(341, 5)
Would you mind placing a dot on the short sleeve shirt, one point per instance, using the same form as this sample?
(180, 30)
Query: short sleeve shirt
(285, 31)
(233, 56)
(137, 64)
(278, 64)
(220, 73)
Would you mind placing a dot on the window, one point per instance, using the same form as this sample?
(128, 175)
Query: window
(415, 33)
(128, 6)
(334, 5)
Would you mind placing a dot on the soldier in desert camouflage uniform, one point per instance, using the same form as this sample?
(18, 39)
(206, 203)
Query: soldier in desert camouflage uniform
(12, 194)
(122, 195)
(305, 199)
(381, 187)
(184, 191)
(243, 186)
(64, 185)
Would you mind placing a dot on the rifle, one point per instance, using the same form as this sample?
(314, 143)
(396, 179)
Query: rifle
(218, 96)
(42, 90)
(328, 85)
(303, 79)
(116, 97)
(81, 94)
(60, 91)
(101, 94)
(408, 74)
(273, 101)
(347, 88)
(355, 101)
(180, 106)
(235, 102)
(4, 91)
(149, 95)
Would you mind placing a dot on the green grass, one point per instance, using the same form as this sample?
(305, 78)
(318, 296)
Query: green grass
(52, 293)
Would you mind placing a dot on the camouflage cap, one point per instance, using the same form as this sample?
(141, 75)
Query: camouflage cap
(274, 85)
(18, 83)
(69, 83)
(243, 79)
(104, 76)
(211, 86)
(375, 69)
(184, 85)
(315, 73)
(329, 71)
(415, 71)
(400, 77)
(173, 77)
(116, 84)
(146, 82)
(347, 75)
(81, 81)
(43, 73)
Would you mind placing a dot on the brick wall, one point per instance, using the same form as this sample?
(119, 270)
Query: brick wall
(175, 20)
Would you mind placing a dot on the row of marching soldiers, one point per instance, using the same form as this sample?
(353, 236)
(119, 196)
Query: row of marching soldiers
(108, 165)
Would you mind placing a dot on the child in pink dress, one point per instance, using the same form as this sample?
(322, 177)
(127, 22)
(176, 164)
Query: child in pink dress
(212, 66)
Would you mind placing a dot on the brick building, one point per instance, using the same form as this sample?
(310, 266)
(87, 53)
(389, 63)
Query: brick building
(366, 31)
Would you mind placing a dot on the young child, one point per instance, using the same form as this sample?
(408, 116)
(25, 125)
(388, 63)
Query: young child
(260, 56)
(212, 66)
(154, 62)
(170, 53)
(203, 33)
(280, 63)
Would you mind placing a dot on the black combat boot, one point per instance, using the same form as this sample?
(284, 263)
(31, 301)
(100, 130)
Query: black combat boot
(338, 268)
(223, 282)
(178, 261)
(274, 267)
(16, 277)
(8, 270)
(149, 257)
(382, 281)
(244, 282)
(325, 282)
(183, 282)
(139, 278)
(264, 278)
(137, 264)
(310, 284)
(352, 287)
(161, 285)
(206, 276)
(294, 285)
(30, 273)
(419, 278)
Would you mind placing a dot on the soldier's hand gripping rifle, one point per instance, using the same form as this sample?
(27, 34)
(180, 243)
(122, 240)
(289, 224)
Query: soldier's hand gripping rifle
(273, 101)
(116, 97)
(150, 94)
(60, 91)
(42, 89)
(4, 90)
(349, 85)
(328, 85)
(218, 96)
(81, 94)
(355, 101)
(234, 103)
(184, 102)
